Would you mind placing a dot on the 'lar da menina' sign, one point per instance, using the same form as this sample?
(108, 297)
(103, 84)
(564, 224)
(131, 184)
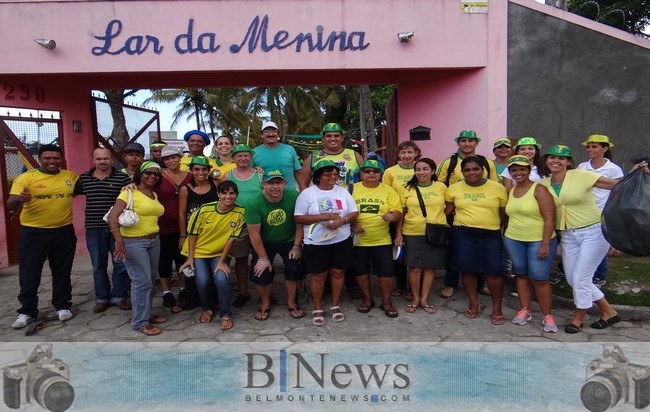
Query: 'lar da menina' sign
(258, 35)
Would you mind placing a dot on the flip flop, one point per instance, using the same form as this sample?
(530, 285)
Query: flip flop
(297, 312)
(396, 292)
(411, 308)
(176, 309)
(572, 328)
(498, 320)
(206, 316)
(226, 323)
(470, 313)
(262, 314)
(365, 307)
(430, 309)
(150, 330)
(605, 323)
(389, 310)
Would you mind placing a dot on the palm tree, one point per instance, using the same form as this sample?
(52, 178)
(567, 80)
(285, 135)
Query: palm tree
(192, 104)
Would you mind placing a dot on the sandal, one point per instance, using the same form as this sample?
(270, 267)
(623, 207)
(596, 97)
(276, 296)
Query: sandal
(297, 312)
(389, 310)
(176, 309)
(156, 319)
(262, 314)
(408, 295)
(150, 330)
(572, 328)
(470, 313)
(605, 323)
(318, 318)
(226, 323)
(206, 316)
(365, 306)
(430, 309)
(498, 320)
(396, 292)
(411, 308)
(337, 316)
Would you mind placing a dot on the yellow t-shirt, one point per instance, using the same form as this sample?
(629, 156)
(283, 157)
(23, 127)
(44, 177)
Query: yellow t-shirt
(457, 173)
(525, 222)
(397, 176)
(373, 203)
(477, 206)
(148, 210)
(576, 206)
(225, 168)
(51, 203)
(185, 160)
(213, 228)
(434, 202)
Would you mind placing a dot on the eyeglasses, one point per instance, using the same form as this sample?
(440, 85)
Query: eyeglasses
(148, 173)
(370, 171)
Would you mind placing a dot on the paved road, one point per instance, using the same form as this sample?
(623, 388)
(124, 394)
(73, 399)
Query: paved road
(447, 325)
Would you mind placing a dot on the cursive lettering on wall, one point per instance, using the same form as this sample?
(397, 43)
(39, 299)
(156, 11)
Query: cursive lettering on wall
(257, 37)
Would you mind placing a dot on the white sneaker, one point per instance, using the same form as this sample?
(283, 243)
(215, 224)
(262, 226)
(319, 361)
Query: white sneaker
(64, 314)
(22, 321)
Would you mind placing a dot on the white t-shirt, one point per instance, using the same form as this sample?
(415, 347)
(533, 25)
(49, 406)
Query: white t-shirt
(610, 170)
(314, 201)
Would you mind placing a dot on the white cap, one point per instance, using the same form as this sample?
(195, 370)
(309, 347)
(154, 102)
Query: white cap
(269, 123)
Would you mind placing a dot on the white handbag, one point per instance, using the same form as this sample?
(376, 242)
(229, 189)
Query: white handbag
(128, 217)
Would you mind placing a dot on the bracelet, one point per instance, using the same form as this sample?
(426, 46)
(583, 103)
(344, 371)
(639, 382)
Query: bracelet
(183, 236)
(114, 229)
(346, 220)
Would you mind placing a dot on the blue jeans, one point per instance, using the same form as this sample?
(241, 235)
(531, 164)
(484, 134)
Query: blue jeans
(34, 246)
(205, 274)
(142, 266)
(525, 260)
(100, 243)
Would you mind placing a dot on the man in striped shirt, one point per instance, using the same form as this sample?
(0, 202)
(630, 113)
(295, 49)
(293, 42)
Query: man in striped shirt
(101, 185)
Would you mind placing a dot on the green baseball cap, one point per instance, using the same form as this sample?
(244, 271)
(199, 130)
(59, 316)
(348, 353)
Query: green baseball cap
(272, 174)
(332, 127)
(518, 160)
(372, 164)
(503, 141)
(527, 141)
(467, 134)
(559, 150)
(201, 161)
(241, 148)
(325, 163)
(598, 138)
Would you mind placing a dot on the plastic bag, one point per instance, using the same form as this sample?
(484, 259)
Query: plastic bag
(626, 217)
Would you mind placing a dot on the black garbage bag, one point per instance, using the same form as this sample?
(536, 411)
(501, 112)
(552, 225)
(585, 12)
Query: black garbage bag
(626, 217)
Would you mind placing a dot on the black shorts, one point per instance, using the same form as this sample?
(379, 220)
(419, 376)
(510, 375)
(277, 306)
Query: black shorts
(319, 258)
(293, 269)
(377, 260)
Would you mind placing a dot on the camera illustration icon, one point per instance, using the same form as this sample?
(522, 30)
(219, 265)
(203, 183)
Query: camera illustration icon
(40, 380)
(614, 379)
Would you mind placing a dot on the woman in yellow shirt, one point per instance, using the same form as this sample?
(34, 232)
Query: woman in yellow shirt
(477, 247)
(422, 258)
(139, 245)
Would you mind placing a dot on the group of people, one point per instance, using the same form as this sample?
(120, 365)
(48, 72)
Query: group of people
(337, 217)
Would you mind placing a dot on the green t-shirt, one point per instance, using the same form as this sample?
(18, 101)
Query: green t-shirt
(276, 219)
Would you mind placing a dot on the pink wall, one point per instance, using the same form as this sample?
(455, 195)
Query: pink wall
(451, 76)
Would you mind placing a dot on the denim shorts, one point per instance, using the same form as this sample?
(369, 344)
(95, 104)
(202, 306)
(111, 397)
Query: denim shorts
(476, 250)
(525, 261)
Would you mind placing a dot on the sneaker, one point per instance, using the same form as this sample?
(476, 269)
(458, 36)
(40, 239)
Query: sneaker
(556, 278)
(22, 321)
(168, 299)
(599, 282)
(514, 294)
(522, 317)
(484, 291)
(447, 292)
(549, 324)
(64, 314)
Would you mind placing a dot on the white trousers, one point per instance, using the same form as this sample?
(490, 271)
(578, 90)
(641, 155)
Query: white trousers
(582, 251)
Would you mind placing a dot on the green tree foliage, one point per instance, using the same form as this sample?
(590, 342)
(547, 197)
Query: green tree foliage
(630, 15)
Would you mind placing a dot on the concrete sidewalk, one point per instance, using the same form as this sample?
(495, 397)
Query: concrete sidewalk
(447, 325)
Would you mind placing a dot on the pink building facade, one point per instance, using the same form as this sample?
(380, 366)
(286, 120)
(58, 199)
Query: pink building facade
(450, 76)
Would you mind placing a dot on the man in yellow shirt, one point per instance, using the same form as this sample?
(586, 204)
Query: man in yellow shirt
(46, 233)
(196, 143)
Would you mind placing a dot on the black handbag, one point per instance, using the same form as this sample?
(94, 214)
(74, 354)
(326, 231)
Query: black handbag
(435, 234)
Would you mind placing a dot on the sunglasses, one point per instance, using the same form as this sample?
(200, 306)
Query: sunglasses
(370, 171)
(147, 173)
